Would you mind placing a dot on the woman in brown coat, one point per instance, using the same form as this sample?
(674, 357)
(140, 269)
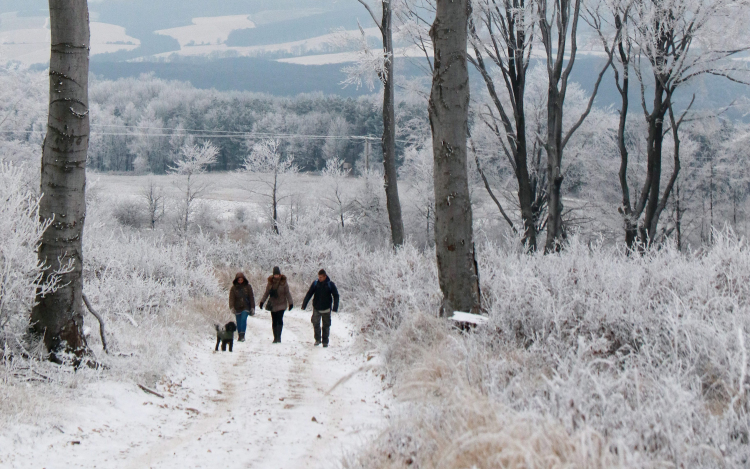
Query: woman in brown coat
(279, 297)
(241, 302)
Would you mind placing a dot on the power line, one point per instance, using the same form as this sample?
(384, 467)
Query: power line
(213, 134)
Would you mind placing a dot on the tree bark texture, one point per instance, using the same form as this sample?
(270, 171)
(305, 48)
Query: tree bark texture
(59, 315)
(389, 131)
(449, 115)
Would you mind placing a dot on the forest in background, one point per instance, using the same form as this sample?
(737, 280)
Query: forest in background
(140, 126)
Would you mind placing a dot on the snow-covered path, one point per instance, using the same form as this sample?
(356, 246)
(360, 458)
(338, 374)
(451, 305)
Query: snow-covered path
(263, 406)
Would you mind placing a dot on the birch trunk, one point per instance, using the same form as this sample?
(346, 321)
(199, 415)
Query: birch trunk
(449, 115)
(59, 315)
(389, 132)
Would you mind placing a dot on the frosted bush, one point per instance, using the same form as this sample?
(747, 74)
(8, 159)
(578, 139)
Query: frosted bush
(20, 235)
(143, 282)
(624, 361)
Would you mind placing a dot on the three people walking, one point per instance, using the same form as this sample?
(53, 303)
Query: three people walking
(279, 298)
(241, 302)
(325, 298)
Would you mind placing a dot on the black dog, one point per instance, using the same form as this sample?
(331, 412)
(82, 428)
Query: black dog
(225, 335)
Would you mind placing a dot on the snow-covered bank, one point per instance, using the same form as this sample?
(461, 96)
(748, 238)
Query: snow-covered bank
(591, 359)
(263, 406)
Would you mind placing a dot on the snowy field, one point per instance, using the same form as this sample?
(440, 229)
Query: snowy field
(26, 40)
(588, 358)
(208, 31)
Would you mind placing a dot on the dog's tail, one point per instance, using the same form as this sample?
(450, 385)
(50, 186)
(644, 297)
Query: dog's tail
(218, 329)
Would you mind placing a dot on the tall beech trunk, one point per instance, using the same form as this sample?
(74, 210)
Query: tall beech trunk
(59, 315)
(389, 131)
(449, 117)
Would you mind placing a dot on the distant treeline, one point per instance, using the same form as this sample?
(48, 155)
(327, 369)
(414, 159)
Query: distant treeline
(141, 124)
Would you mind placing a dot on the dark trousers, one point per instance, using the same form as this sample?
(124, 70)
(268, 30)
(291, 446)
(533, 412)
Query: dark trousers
(325, 318)
(278, 324)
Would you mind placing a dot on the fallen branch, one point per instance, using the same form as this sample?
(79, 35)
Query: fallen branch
(150, 391)
(99, 318)
(350, 376)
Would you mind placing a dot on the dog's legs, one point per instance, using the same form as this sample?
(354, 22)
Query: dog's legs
(231, 343)
(223, 345)
(217, 344)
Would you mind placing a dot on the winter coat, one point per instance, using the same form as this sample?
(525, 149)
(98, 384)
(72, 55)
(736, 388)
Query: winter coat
(283, 296)
(324, 296)
(241, 296)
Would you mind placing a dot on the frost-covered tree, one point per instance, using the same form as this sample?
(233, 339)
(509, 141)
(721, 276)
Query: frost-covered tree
(678, 41)
(418, 171)
(338, 193)
(382, 64)
(337, 139)
(189, 169)
(266, 171)
(558, 30)
(502, 38)
(154, 198)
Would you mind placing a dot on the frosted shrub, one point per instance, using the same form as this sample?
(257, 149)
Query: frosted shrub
(20, 235)
(140, 282)
(130, 213)
(591, 359)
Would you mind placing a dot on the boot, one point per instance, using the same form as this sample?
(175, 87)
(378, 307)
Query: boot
(280, 329)
(241, 337)
(276, 335)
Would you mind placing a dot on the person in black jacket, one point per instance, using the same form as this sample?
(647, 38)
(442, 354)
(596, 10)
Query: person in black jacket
(325, 298)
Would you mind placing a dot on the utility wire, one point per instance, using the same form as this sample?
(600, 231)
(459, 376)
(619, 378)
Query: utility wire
(214, 134)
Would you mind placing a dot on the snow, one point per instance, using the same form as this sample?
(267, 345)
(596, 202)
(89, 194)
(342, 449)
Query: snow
(31, 45)
(318, 44)
(348, 57)
(107, 38)
(469, 318)
(208, 30)
(250, 408)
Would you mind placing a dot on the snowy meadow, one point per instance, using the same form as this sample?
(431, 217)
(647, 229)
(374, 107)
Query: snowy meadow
(591, 357)
(623, 344)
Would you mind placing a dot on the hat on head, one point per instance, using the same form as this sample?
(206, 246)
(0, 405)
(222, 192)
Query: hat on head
(276, 270)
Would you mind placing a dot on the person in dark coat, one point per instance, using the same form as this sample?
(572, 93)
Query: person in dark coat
(242, 303)
(279, 297)
(325, 298)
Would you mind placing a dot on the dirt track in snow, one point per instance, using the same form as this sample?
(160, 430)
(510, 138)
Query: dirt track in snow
(250, 408)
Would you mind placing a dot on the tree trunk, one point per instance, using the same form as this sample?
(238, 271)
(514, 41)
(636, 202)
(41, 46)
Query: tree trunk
(449, 116)
(555, 40)
(389, 132)
(654, 144)
(59, 315)
(274, 202)
(554, 168)
(678, 217)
